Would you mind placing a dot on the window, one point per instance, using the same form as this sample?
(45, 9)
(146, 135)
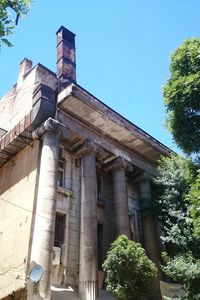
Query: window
(59, 230)
(99, 187)
(135, 224)
(61, 172)
(132, 227)
(77, 162)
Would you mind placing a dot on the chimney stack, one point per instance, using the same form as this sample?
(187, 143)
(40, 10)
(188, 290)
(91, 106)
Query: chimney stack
(24, 67)
(66, 56)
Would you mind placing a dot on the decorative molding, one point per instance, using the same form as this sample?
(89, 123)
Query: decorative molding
(144, 176)
(49, 125)
(64, 191)
(119, 163)
(87, 147)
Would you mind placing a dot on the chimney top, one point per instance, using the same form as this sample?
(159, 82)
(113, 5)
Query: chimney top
(24, 67)
(66, 35)
(26, 61)
(66, 56)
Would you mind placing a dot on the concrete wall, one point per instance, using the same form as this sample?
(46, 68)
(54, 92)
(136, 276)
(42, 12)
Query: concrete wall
(19, 100)
(17, 188)
(17, 103)
(68, 203)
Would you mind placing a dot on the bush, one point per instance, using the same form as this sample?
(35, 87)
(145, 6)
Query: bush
(184, 270)
(129, 271)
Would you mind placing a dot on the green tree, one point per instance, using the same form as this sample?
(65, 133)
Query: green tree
(176, 175)
(128, 270)
(185, 270)
(182, 96)
(194, 200)
(7, 24)
(177, 199)
(178, 186)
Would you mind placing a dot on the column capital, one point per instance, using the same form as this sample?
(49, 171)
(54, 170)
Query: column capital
(144, 176)
(87, 147)
(119, 163)
(145, 193)
(49, 125)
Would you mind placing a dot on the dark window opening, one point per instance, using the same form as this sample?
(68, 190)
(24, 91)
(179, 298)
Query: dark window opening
(134, 223)
(100, 245)
(77, 162)
(99, 184)
(59, 230)
(132, 228)
(61, 172)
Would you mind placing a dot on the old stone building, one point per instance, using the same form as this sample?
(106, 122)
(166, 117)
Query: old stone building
(74, 174)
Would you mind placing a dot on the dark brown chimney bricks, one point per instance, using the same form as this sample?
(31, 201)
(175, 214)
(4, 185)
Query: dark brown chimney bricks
(66, 56)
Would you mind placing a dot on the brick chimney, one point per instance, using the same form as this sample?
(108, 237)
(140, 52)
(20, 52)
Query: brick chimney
(24, 67)
(66, 56)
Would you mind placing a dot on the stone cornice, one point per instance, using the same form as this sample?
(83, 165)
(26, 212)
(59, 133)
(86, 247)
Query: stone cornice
(104, 142)
(77, 92)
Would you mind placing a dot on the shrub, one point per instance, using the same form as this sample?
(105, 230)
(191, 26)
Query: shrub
(129, 271)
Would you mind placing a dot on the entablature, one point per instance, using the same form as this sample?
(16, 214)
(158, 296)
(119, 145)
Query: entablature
(92, 112)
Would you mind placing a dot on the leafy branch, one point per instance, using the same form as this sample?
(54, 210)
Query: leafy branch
(7, 24)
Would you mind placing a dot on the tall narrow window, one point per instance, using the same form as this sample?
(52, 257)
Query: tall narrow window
(59, 230)
(99, 187)
(100, 245)
(132, 227)
(61, 172)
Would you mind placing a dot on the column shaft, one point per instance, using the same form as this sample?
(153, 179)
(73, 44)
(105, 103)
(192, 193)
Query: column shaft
(120, 202)
(150, 237)
(88, 231)
(42, 244)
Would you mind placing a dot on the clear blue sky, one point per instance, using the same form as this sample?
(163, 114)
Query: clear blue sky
(123, 49)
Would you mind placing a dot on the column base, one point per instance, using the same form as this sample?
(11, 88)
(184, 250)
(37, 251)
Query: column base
(88, 290)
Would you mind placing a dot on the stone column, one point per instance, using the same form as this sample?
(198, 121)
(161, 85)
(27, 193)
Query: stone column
(150, 238)
(117, 168)
(88, 230)
(43, 235)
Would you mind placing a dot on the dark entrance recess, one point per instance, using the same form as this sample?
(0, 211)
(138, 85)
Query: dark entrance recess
(100, 245)
(59, 230)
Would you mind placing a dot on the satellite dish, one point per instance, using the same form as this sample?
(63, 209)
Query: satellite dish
(36, 273)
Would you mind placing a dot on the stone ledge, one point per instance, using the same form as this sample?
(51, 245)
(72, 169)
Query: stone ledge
(64, 191)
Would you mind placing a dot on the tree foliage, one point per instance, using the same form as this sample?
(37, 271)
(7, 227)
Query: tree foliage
(177, 206)
(176, 175)
(178, 183)
(194, 200)
(7, 24)
(128, 270)
(185, 270)
(182, 96)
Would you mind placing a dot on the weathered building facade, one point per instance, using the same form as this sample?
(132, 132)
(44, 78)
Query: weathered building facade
(74, 175)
